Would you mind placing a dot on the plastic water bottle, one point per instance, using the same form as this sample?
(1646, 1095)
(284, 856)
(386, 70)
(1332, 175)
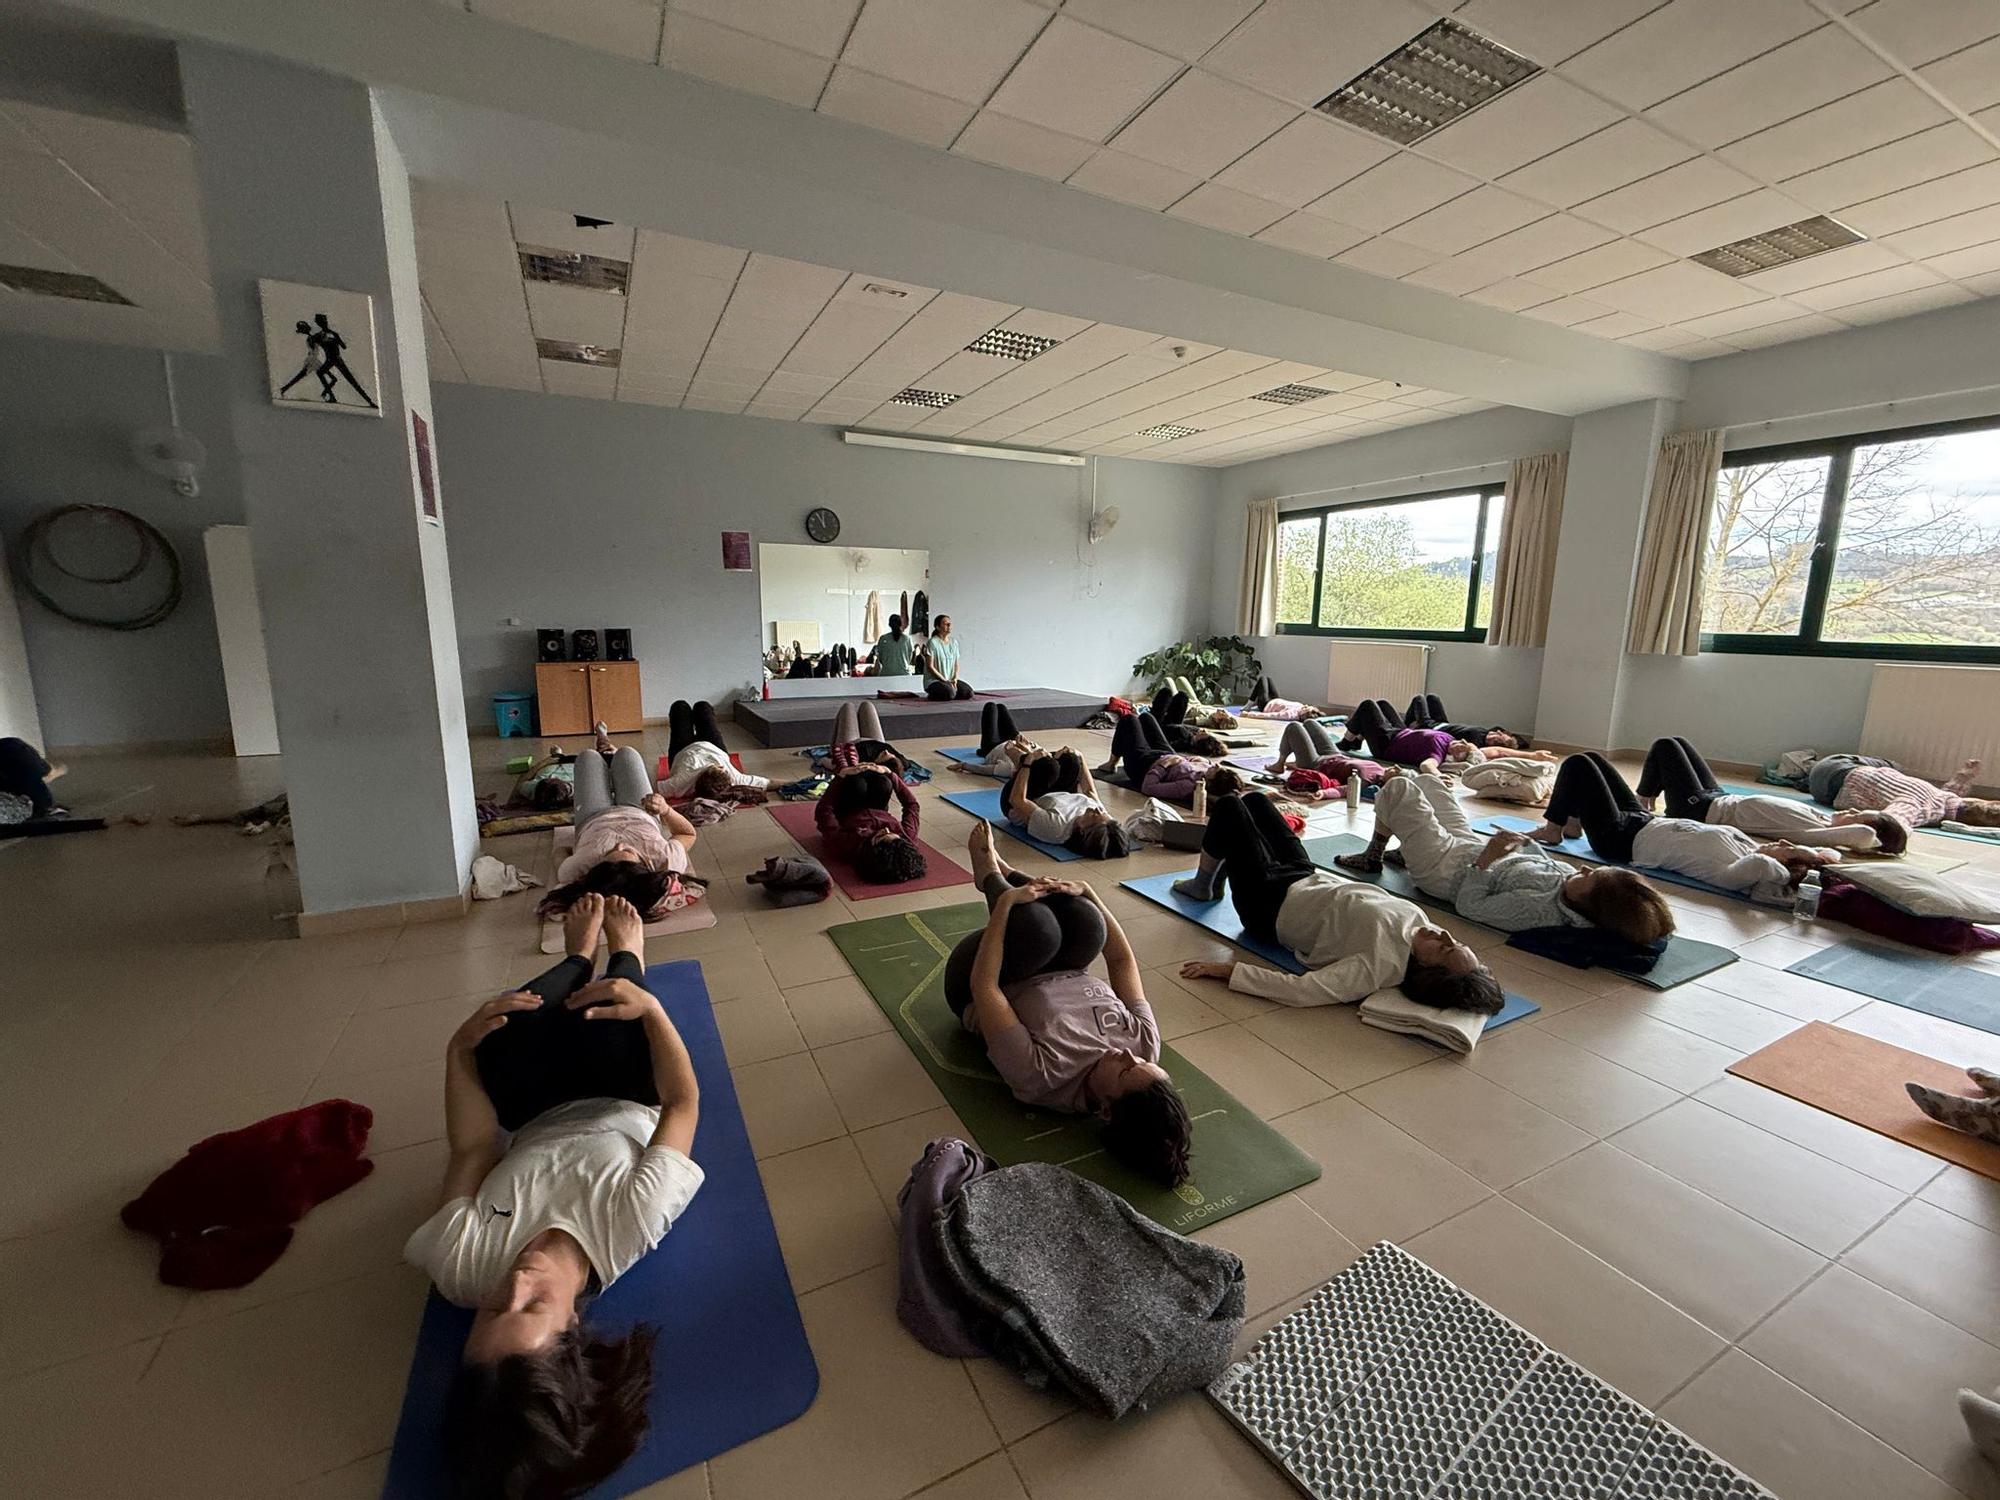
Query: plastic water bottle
(1806, 906)
(1353, 790)
(1201, 802)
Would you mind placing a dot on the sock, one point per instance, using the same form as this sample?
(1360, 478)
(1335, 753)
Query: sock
(1204, 885)
(1988, 1083)
(1982, 1421)
(1975, 1117)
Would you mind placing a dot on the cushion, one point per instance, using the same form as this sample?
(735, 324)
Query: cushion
(1921, 892)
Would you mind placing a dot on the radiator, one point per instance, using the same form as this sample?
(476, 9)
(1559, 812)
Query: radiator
(1929, 719)
(1394, 670)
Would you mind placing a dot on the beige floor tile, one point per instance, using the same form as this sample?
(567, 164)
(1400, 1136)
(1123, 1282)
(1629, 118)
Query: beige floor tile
(1789, 994)
(409, 1033)
(1265, 1080)
(84, 1429)
(1285, 1247)
(1221, 999)
(785, 1104)
(830, 1221)
(1720, 1267)
(757, 1029)
(361, 1480)
(874, 1079)
(1013, 1406)
(890, 1151)
(112, 1294)
(739, 974)
(1555, 987)
(803, 959)
(989, 1479)
(408, 1100)
(227, 1055)
(1177, 1009)
(1819, 1203)
(1616, 1029)
(1851, 1145)
(1376, 1182)
(1780, 950)
(1578, 1305)
(890, 1418)
(1571, 1083)
(343, 950)
(835, 1010)
(1722, 1018)
(1478, 1126)
(1961, 1046)
(1967, 1194)
(1183, 1447)
(1937, 1260)
(1888, 1365)
(467, 971)
(1332, 1042)
(1790, 1442)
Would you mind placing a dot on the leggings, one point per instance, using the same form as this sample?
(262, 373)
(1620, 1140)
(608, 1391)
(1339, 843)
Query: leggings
(1261, 692)
(606, 781)
(1306, 741)
(1589, 789)
(24, 773)
(1426, 711)
(945, 692)
(1675, 767)
(1170, 707)
(1138, 742)
(865, 790)
(1056, 933)
(1262, 858)
(1061, 772)
(996, 727)
(856, 722)
(1373, 720)
(685, 725)
(542, 1058)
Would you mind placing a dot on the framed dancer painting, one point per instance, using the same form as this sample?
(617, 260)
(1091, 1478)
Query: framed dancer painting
(319, 348)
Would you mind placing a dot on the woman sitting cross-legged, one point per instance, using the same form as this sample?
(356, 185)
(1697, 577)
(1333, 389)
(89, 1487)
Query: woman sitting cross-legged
(857, 740)
(1674, 767)
(1151, 762)
(940, 664)
(1054, 799)
(1058, 1035)
(629, 841)
(853, 817)
(1353, 938)
(570, 1110)
(1503, 881)
(698, 763)
(1591, 798)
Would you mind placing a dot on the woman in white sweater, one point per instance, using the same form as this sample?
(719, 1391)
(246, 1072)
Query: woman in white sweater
(1674, 767)
(698, 763)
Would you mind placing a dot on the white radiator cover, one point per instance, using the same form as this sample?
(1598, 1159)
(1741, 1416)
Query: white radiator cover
(1396, 670)
(1928, 719)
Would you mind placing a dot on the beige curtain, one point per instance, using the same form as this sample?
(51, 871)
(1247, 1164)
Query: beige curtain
(1257, 606)
(1524, 570)
(1666, 594)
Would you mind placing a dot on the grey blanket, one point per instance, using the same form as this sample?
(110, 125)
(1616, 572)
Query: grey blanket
(1078, 1288)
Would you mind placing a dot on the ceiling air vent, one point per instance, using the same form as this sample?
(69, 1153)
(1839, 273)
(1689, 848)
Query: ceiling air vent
(1778, 247)
(1005, 344)
(1167, 430)
(914, 397)
(41, 283)
(577, 354)
(1291, 395)
(1428, 82)
(590, 273)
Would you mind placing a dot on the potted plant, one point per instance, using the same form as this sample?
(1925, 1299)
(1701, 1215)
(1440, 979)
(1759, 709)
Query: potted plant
(1218, 667)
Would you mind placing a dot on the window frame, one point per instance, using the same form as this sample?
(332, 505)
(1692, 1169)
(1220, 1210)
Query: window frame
(1488, 493)
(1806, 641)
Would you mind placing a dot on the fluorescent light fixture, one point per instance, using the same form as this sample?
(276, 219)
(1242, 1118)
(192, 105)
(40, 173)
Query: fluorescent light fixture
(43, 283)
(961, 450)
(590, 273)
(577, 354)
(1291, 395)
(1004, 343)
(935, 400)
(1431, 80)
(1167, 430)
(1778, 247)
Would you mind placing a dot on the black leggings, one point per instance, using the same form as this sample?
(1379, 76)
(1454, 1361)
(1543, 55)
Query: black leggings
(1138, 741)
(945, 692)
(1675, 767)
(24, 773)
(685, 725)
(1426, 711)
(996, 727)
(1170, 707)
(1373, 720)
(1589, 789)
(542, 1058)
(1061, 772)
(1052, 934)
(1261, 692)
(1261, 857)
(862, 790)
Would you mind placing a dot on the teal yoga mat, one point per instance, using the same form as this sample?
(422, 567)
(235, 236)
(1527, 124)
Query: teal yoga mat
(1926, 982)
(985, 803)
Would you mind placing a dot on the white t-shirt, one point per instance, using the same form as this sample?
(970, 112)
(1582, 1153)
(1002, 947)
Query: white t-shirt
(1767, 817)
(583, 1168)
(1714, 853)
(1056, 814)
(1002, 761)
(698, 757)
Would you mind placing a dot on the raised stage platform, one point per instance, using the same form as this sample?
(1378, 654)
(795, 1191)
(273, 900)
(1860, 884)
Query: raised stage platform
(809, 721)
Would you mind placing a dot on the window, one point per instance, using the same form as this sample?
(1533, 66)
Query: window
(1885, 545)
(1408, 568)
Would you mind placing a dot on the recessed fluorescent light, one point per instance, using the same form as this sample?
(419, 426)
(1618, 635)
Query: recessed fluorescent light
(915, 397)
(591, 273)
(577, 354)
(1291, 395)
(1429, 81)
(1778, 247)
(883, 291)
(960, 450)
(1167, 430)
(44, 283)
(1003, 343)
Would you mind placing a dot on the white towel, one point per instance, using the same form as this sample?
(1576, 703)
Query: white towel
(1456, 1029)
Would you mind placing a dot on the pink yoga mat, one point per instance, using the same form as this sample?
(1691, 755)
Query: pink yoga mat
(796, 818)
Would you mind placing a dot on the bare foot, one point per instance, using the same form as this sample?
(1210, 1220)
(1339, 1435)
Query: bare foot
(581, 924)
(1548, 833)
(1960, 784)
(979, 844)
(605, 744)
(624, 928)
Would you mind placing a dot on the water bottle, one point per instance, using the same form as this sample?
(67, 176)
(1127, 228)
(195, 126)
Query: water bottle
(1201, 802)
(1353, 790)
(1806, 906)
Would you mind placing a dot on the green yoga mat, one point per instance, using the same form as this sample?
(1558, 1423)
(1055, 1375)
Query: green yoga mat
(1684, 959)
(1239, 1161)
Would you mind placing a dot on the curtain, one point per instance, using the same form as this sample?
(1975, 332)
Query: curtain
(1524, 570)
(1257, 606)
(1666, 597)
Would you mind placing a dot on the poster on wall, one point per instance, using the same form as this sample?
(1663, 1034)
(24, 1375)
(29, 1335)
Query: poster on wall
(427, 484)
(736, 552)
(319, 348)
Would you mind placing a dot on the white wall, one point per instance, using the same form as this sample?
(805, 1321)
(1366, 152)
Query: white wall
(18, 716)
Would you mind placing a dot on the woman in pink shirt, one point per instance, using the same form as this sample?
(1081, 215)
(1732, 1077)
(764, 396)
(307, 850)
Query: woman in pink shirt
(629, 841)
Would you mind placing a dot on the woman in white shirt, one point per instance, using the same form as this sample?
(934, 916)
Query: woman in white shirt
(698, 763)
(600, 1097)
(1674, 767)
(1053, 797)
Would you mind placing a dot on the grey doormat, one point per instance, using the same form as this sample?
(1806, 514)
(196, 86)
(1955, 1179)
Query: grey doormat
(1390, 1383)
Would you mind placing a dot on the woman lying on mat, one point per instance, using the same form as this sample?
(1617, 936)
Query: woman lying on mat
(1002, 747)
(1591, 798)
(24, 773)
(1861, 783)
(1378, 726)
(941, 664)
(1426, 711)
(1502, 881)
(698, 762)
(853, 817)
(1060, 1037)
(1675, 767)
(1353, 938)
(629, 841)
(1054, 799)
(857, 740)
(1157, 768)
(1311, 744)
(570, 1109)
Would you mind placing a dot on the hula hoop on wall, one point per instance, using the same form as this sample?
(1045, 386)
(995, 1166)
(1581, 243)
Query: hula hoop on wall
(35, 545)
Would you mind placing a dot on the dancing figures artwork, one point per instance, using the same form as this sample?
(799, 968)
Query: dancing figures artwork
(319, 347)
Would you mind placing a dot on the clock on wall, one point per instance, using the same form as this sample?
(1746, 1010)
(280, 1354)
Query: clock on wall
(822, 525)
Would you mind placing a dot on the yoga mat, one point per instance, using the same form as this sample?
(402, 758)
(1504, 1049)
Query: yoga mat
(1239, 1161)
(985, 803)
(688, 919)
(1579, 848)
(796, 818)
(1763, 789)
(1684, 959)
(663, 768)
(732, 1361)
(965, 755)
(1861, 1079)
(1953, 833)
(1926, 982)
(44, 827)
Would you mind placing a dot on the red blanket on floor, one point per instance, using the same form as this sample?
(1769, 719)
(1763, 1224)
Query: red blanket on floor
(1844, 901)
(224, 1212)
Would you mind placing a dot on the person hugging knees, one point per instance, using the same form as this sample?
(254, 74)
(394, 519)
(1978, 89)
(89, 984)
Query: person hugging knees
(853, 817)
(1054, 799)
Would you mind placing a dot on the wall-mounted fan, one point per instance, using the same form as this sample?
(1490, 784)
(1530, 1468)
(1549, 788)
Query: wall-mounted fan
(172, 452)
(1101, 523)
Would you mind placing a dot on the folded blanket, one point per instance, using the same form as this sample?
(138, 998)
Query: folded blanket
(1456, 1029)
(1511, 779)
(1589, 948)
(1973, 830)
(1073, 1285)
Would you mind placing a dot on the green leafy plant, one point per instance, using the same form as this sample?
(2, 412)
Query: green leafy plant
(1217, 667)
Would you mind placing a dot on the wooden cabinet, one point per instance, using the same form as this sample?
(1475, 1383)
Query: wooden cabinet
(570, 696)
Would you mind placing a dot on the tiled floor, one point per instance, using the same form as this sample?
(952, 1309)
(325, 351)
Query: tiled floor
(1801, 1295)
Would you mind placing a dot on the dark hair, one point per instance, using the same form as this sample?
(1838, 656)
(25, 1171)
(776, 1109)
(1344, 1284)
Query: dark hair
(1204, 743)
(611, 877)
(895, 624)
(890, 861)
(1150, 1132)
(1621, 902)
(1225, 781)
(714, 783)
(1106, 840)
(1433, 984)
(548, 1425)
(1889, 830)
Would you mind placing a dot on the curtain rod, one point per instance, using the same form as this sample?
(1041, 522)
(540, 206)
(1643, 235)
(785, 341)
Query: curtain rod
(1393, 479)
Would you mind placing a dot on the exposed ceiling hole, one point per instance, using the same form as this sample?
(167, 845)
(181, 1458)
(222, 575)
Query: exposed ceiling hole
(1168, 430)
(590, 273)
(1004, 343)
(1778, 247)
(915, 397)
(1291, 395)
(1432, 79)
(584, 221)
(577, 354)
(43, 283)
(883, 291)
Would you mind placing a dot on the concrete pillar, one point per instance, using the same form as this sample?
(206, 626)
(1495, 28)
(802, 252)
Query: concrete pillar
(301, 182)
(1611, 458)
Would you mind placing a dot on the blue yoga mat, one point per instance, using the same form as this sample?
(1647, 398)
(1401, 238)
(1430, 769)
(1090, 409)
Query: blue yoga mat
(986, 804)
(1580, 849)
(1926, 982)
(732, 1360)
(1764, 789)
(967, 755)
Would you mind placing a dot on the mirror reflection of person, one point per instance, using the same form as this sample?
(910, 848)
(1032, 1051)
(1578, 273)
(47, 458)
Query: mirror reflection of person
(895, 653)
(941, 664)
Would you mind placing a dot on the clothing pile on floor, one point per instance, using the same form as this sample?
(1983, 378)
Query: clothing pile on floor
(1061, 1280)
(821, 757)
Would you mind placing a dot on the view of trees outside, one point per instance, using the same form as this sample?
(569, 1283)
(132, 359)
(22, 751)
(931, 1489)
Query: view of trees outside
(1298, 556)
(1400, 567)
(1496, 513)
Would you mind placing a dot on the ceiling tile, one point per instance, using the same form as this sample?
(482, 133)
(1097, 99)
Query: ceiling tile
(1005, 142)
(1529, 121)
(1678, 191)
(1222, 207)
(1675, 292)
(1303, 161)
(1309, 234)
(567, 312)
(1903, 304)
(1736, 320)
(1781, 332)
(1969, 79)
(1454, 276)
(1964, 265)
(1302, 50)
(560, 231)
(1936, 152)
(1566, 312)
(1132, 179)
(440, 206)
(1383, 256)
(895, 107)
(1915, 32)
(1942, 236)
(737, 60)
(1469, 220)
(1520, 251)
(1664, 340)
(561, 378)
(1803, 74)
(1513, 294)
(630, 28)
(960, 48)
(1860, 121)
(1616, 325)
(1616, 155)
(1753, 213)
(1201, 124)
(1832, 265)
(1683, 43)
(1184, 28)
(1551, 30)
(1961, 192)
(815, 26)
(1082, 81)
(1400, 188)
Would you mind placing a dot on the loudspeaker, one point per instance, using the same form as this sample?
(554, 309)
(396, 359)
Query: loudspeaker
(583, 645)
(617, 645)
(549, 646)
